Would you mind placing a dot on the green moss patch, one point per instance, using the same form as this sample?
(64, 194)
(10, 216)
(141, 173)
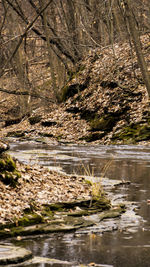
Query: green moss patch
(35, 119)
(70, 90)
(105, 123)
(66, 216)
(133, 133)
(8, 172)
(92, 137)
(16, 133)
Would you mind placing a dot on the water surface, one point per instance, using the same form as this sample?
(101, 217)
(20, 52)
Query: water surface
(130, 244)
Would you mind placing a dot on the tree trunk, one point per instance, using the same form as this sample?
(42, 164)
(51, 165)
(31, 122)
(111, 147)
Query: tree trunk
(137, 44)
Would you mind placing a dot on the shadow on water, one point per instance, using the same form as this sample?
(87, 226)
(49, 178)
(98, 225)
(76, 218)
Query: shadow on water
(130, 244)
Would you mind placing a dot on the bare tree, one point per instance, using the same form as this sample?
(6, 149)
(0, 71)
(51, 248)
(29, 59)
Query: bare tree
(137, 43)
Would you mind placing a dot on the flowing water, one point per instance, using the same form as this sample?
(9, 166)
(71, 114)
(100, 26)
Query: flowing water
(129, 245)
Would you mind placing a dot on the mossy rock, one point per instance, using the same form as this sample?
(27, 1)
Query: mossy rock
(133, 133)
(144, 133)
(48, 123)
(68, 218)
(45, 134)
(69, 89)
(3, 147)
(112, 213)
(101, 202)
(92, 137)
(16, 133)
(105, 123)
(11, 255)
(30, 219)
(61, 217)
(7, 163)
(35, 119)
(8, 172)
(12, 121)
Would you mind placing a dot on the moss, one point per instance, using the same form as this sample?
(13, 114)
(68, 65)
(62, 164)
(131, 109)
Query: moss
(16, 134)
(92, 137)
(101, 202)
(48, 123)
(8, 173)
(69, 89)
(112, 213)
(33, 223)
(105, 123)
(48, 214)
(133, 133)
(10, 164)
(10, 178)
(56, 207)
(46, 134)
(144, 133)
(74, 73)
(7, 163)
(35, 119)
(2, 165)
(30, 219)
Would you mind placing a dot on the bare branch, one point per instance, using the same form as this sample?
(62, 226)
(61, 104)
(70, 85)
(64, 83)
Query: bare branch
(23, 35)
(26, 93)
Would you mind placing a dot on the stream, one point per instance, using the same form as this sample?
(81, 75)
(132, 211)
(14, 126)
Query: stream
(126, 242)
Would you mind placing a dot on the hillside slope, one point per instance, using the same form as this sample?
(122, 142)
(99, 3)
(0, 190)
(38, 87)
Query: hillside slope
(105, 101)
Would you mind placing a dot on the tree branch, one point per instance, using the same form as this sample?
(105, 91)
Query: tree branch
(23, 35)
(37, 32)
(26, 93)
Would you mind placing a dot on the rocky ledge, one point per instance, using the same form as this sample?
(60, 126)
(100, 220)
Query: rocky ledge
(13, 255)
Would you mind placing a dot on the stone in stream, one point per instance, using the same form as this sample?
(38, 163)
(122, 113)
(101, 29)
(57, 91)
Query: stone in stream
(13, 255)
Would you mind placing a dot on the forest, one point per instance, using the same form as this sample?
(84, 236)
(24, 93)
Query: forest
(43, 41)
(74, 131)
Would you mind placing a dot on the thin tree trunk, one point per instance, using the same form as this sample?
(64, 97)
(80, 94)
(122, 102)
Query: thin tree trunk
(137, 44)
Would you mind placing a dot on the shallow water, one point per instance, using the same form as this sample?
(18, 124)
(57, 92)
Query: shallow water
(130, 244)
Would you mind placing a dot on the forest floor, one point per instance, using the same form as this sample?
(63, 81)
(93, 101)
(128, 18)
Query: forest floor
(38, 186)
(105, 102)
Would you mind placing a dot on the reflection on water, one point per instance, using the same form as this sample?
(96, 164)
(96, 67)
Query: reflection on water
(130, 245)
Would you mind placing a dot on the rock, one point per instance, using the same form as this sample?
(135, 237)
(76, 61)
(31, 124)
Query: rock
(18, 133)
(8, 173)
(13, 255)
(48, 123)
(35, 119)
(3, 147)
(12, 121)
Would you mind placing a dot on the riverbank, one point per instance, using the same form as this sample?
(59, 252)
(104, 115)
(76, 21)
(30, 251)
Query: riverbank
(35, 200)
(38, 186)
